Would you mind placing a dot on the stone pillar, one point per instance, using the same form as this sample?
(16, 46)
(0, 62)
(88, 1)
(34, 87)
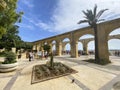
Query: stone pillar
(74, 46)
(74, 49)
(38, 47)
(63, 48)
(85, 48)
(34, 47)
(102, 43)
(59, 48)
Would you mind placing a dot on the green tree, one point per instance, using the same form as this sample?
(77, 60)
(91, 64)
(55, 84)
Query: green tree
(10, 39)
(92, 17)
(8, 15)
(26, 45)
(8, 18)
(46, 48)
(10, 57)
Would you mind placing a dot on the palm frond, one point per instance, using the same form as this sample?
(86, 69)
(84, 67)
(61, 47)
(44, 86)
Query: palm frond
(91, 17)
(95, 10)
(89, 14)
(82, 21)
(100, 13)
(86, 14)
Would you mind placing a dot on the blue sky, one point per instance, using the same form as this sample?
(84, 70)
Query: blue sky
(45, 18)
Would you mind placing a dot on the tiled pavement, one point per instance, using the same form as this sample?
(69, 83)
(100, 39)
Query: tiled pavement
(89, 76)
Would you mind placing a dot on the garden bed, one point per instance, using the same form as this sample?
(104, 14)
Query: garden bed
(43, 72)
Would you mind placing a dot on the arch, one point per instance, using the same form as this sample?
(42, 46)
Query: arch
(115, 31)
(66, 40)
(45, 43)
(91, 47)
(67, 36)
(113, 46)
(67, 48)
(86, 36)
(54, 49)
(85, 39)
(87, 31)
(111, 25)
(80, 45)
(114, 42)
(54, 42)
(80, 48)
(115, 34)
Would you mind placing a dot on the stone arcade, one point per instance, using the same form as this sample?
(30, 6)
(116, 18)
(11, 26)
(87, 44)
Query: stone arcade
(104, 29)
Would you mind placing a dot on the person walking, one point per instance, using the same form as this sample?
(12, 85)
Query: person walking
(30, 56)
(46, 54)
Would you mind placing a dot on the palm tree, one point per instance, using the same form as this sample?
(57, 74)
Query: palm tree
(92, 17)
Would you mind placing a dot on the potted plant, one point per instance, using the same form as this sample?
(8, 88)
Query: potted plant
(9, 63)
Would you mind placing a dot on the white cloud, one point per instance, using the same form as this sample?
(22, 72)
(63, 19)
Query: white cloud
(69, 12)
(28, 3)
(27, 26)
(43, 25)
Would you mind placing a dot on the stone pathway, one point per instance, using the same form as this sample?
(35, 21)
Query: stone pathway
(89, 76)
(113, 84)
(12, 81)
(108, 86)
(81, 85)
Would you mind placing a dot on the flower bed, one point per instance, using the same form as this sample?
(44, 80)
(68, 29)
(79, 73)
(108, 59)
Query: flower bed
(43, 72)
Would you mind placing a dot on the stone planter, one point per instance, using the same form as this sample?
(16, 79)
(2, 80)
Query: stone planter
(8, 67)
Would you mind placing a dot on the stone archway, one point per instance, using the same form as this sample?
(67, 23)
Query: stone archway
(91, 47)
(80, 48)
(114, 42)
(66, 46)
(103, 28)
(85, 39)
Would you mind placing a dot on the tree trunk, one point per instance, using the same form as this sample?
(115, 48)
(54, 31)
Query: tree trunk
(96, 43)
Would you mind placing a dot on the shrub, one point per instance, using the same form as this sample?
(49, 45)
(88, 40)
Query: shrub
(48, 63)
(10, 57)
(2, 54)
(57, 72)
(62, 69)
(39, 72)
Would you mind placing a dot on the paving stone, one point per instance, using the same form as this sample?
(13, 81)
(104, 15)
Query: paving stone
(89, 76)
